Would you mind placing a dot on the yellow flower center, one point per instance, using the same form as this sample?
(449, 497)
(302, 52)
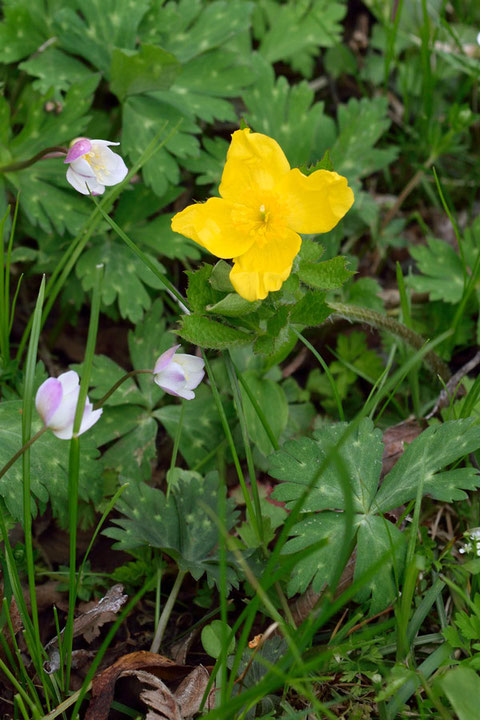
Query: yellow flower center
(263, 217)
(94, 159)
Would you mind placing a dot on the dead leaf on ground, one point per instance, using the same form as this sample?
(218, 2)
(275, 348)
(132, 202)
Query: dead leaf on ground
(103, 685)
(88, 624)
(181, 704)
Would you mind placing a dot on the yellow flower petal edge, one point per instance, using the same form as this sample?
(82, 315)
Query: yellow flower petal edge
(254, 161)
(317, 202)
(263, 206)
(210, 225)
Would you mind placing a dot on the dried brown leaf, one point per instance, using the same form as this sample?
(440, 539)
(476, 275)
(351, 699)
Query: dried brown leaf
(103, 685)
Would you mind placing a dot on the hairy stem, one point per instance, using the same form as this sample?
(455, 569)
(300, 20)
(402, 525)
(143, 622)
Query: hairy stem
(384, 322)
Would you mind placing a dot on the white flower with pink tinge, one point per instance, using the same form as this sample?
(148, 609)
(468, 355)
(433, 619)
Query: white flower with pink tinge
(178, 374)
(93, 166)
(56, 403)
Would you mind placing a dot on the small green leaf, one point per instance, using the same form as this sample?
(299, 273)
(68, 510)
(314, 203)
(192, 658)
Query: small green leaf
(220, 277)
(213, 637)
(233, 306)
(200, 293)
(324, 164)
(310, 250)
(326, 275)
(210, 334)
(311, 310)
(138, 71)
(442, 271)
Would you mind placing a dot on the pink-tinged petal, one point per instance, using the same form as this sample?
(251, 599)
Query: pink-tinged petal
(48, 399)
(171, 378)
(83, 185)
(62, 418)
(165, 358)
(90, 417)
(78, 149)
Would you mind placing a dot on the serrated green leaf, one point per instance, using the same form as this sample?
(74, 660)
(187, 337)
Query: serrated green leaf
(378, 539)
(325, 275)
(138, 71)
(21, 33)
(297, 31)
(442, 271)
(311, 310)
(201, 425)
(361, 124)
(365, 292)
(143, 116)
(199, 292)
(318, 566)
(210, 334)
(357, 463)
(102, 25)
(279, 337)
(124, 279)
(179, 526)
(49, 463)
(117, 421)
(324, 164)
(431, 451)
(289, 115)
(194, 28)
(310, 250)
(271, 398)
(232, 305)
(54, 69)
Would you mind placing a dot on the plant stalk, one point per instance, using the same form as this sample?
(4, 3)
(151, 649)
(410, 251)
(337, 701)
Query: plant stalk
(166, 612)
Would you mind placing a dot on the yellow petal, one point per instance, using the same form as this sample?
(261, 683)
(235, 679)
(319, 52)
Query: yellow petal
(315, 203)
(264, 268)
(253, 161)
(210, 225)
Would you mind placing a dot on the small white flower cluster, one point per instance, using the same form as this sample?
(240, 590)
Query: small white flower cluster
(472, 547)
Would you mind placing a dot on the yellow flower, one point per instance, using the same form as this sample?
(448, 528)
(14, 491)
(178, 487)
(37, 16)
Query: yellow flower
(263, 206)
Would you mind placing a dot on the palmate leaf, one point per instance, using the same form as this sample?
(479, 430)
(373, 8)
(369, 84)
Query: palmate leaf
(124, 278)
(290, 115)
(355, 465)
(431, 451)
(180, 526)
(361, 124)
(295, 31)
(49, 463)
(442, 271)
(356, 461)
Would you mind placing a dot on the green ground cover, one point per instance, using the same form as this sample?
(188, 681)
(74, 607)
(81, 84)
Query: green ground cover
(280, 520)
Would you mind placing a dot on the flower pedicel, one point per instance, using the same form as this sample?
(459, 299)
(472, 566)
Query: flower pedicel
(263, 207)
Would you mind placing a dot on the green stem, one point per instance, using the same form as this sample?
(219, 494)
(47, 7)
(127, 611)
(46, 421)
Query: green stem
(31, 161)
(383, 322)
(123, 379)
(326, 370)
(167, 611)
(20, 452)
